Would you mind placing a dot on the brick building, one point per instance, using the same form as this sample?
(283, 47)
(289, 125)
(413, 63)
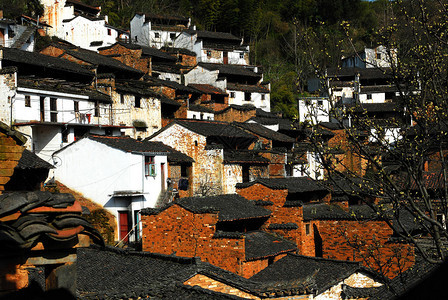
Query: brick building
(223, 230)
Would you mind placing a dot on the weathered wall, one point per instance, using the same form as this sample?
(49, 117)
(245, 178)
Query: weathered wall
(10, 154)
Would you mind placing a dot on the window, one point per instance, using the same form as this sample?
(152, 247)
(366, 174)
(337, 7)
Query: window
(183, 171)
(378, 56)
(209, 53)
(135, 38)
(247, 96)
(121, 98)
(172, 36)
(27, 100)
(232, 94)
(97, 109)
(76, 106)
(109, 32)
(369, 96)
(241, 55)
(156, 35)
(53, 110)
(137, 101)
(263, 96)
(320, 103)
(65, 133)
(150, 167)
(307, 229)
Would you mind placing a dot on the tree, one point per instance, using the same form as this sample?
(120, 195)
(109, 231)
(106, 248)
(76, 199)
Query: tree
(403, 158)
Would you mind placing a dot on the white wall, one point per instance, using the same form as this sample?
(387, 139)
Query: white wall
(256, 99)
(97, 171)
(200, 115)
(314, 110)
(375, 98)
(81, 32)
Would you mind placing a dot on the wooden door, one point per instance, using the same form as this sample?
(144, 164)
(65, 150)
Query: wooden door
(123, 224)
(162, 175)
(225, 56)
(42, 109)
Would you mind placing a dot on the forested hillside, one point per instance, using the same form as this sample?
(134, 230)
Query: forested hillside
(283, 34)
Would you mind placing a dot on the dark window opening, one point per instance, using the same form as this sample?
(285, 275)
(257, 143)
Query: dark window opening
(137, 101)
(247, 96)
(183, 171)
(318, 250)
(109, 32)
(263, 96)
(65, 133)
(232, 94)
(42, 108)
(135, 38)
(172, 36)
(196, 143)
(27, 100)
(97, 109)
(156, 35)
(53, 110)
(246, 174)
(209, 53)
(369, 96)
(76, 106)
(121, 98)
(307, 229)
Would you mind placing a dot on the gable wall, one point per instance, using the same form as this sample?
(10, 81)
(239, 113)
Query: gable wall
(130, 57)
(10, 154)
(232, 115)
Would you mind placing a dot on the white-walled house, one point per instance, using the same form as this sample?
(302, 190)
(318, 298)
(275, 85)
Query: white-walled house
(156, 30)
(13, 35)
(80, 24)
(121, 174)
(379, 57)
(214, 47)
(314, 109)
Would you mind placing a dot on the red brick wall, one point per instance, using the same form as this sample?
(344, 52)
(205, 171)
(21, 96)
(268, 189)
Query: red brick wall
(235, 115)
(52, 51)
(130, 57)
(10, 154)
(367, 242)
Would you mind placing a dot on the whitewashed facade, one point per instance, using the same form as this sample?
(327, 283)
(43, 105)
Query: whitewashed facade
(17, 36)
(379, 57)
(314, 109)
(193, 40)
(116, 179)
(156, 32)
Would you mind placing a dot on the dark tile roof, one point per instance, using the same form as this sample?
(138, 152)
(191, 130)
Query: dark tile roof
(200, 108)
(323, 211)
(324, 272)
(171, 84)
(59, 85)
(243, 157)
(229, 207)
(247, 88)
(365, 73)
(178, 50)
(248, 107)
(162, 67)
(378, 89)
(292, 184)
(214, 128)
(229, 69)
(31, 217)
(283, 226)
(147, 51)
(165, 19)
(29, 160)
(136, 87)
(103, 61)
(260, 244)
(208, 89)
(376, 107)
(128, 144)
(202, 34)
(264, 132)
(13, 56)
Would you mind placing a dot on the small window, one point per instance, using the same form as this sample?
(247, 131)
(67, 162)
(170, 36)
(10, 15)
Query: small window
(156, 35)
(109, 32)
(241, 55)
(378, 56)
(97, 109)
(320, 103)
(183, 171)
(247, 96)
(307, 229)
(65, 133)
(209, 53)
(194, 116)
(76, 106)
(369, 96)
(53, 109)
(196, 143)
(150, 167)
(122, 98)
(232, 94)
(263, 96)
(27, 100)
(138, 101)
(136, 39)
(172, 36)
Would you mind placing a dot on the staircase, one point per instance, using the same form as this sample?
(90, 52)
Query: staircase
(23, 38)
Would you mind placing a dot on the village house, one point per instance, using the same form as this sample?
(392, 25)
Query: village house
(227, 233)
(149, 60)
(17, 36)
(330, 224)
(156, 30)
(379, 57)
(52, 112)
(121, 174)
(80, 24)
(243, 84)
(224, 153)
(330, 276)
(214, 47)
(212, 98)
